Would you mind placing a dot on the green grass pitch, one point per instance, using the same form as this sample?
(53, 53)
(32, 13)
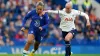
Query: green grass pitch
(51, 55)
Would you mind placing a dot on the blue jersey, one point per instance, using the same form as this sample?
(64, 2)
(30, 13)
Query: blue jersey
(37, 21)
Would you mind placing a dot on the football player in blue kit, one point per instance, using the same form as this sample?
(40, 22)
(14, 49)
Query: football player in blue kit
(37, 29)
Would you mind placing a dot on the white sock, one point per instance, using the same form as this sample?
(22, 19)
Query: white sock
(33, 51)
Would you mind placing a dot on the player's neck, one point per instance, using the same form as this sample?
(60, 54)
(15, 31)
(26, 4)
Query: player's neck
(40, 14)
(68, 12)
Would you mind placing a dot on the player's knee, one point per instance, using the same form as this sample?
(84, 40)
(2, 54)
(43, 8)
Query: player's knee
(67, 39)
(29, 41)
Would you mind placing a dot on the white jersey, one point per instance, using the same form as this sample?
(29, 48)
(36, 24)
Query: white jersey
(67, 19)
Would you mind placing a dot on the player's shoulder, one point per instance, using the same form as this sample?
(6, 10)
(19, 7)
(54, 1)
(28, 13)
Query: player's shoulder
(45, 14)
(32, 11)
(74, 10)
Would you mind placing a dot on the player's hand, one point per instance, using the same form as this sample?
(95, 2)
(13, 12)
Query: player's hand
(40, 28)
(43, 12)
(23, 29)
(60, 38)
(88, 25)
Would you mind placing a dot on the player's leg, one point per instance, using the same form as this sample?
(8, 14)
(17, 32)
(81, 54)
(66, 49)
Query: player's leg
(68, 38)
(36, 46)
(37, 42)
(29, 42)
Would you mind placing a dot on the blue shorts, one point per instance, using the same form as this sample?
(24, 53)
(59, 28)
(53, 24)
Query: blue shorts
(37, 34)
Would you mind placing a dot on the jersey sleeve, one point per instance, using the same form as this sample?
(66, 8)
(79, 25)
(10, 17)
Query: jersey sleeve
(54, 11)
(77, 12)
(47, 21)
(82, 14)
(28, 15)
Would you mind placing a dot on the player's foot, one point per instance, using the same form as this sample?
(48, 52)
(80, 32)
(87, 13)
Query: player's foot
(31, 54)
(25, 55)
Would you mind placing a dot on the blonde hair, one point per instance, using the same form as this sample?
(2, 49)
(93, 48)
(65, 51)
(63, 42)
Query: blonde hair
(69, 3)
(40, 3)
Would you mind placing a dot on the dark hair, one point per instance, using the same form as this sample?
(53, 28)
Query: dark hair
(40, 3)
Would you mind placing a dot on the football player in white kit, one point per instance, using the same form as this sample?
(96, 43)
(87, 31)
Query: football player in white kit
(67, 24)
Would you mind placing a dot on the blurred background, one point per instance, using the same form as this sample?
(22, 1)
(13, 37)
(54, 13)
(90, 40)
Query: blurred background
(13, 11)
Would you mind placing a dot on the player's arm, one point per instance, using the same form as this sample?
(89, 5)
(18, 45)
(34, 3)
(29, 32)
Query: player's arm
(86, 16)
(28, 15)
(47, 21)
(54, 11)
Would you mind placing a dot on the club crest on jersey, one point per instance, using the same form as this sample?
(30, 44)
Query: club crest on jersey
(68, 19)
(31, 31)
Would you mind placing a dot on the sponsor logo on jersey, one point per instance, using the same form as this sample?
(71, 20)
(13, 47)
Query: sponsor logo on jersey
(68, 19)
(37, 23)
